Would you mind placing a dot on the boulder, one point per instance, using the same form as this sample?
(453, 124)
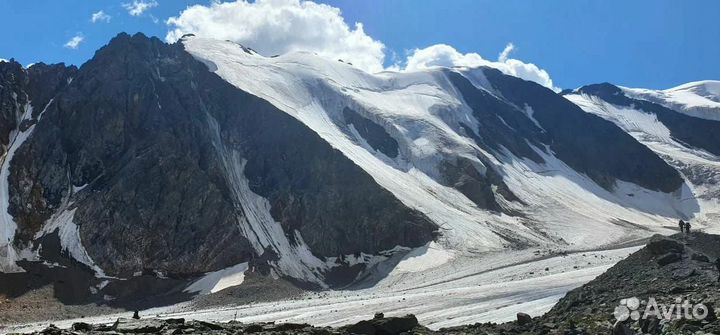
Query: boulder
(254, 328)
(683, 273)
(286, 327)
(82, 326)
(668, 258)
(523, 319)
(664, 246)
(134, 326)
(51, 330)
(384, 326)
(700, 258)
(650, 325)
(622, 329)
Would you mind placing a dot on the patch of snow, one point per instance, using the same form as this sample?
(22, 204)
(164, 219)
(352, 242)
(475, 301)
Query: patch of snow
(258, 225)
(424, 258)
(219, 280)
(529, 113)
(70, 241)
(8, 253)
(76, 189)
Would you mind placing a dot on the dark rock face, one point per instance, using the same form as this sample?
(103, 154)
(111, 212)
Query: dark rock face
(501, 125)
(373, 133)
(46, 81)
(699, 133)
(130, 145)
(21, 90)
(585, 142)
(20, 87)
(13, 86)
(462, 175)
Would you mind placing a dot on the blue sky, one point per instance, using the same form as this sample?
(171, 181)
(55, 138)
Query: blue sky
(653, 44)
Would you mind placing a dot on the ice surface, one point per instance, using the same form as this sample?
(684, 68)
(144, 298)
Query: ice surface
(699, 99)
(492, 287)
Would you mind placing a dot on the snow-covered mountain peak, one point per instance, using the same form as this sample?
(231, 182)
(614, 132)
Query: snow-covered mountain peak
(706, 88)
(440, 118)
(700, 99)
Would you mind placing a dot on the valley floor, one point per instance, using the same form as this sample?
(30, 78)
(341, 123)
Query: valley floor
(452, 290)
(443, 288)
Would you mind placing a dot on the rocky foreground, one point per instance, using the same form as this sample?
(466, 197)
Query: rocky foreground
(669, 269)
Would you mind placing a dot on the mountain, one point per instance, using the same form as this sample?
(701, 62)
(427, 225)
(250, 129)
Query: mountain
(690, 144)
(699, 99)
(172, 161)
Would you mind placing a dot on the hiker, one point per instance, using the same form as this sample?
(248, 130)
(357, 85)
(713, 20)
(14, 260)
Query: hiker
(682, 226)
(687, 228)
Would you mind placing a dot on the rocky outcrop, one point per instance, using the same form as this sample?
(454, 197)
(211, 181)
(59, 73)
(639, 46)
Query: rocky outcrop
(378, 326)
(585, 142)
(147, 152)
(644, 275)
(22, 88)
(373, 133)
(13, 98)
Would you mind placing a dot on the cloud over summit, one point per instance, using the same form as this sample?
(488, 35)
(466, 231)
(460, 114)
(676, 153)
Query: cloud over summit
(443, 55)
(280, 26)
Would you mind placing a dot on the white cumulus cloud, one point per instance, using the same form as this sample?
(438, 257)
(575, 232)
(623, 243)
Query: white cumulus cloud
(100, 16)
(505, 54)
(280, 26)
(138, 7)
(443, 55)
(74, 42)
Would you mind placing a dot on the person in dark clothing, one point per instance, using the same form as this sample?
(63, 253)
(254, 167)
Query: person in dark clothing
(682, 226)
(687, 228)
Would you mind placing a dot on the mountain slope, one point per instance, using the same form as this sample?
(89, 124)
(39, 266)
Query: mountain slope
(178, 160)
(162, 166)
(687, 143)
(470, 118)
